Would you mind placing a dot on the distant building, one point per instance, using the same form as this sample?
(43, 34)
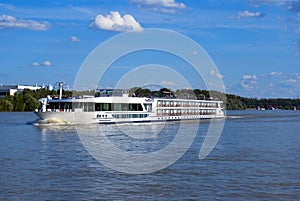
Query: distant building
(33, 88)
(49, 87)
(6, 90)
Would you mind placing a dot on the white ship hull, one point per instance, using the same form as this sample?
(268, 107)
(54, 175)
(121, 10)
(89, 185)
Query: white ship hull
(91, 118)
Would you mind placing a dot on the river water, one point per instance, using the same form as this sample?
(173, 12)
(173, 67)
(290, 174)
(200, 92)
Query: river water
(256, 158)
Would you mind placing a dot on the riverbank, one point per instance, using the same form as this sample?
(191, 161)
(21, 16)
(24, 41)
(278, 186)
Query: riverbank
(28, 99)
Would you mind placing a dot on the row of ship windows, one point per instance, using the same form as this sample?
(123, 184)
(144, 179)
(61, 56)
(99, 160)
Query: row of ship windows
(126, 116)
(90, 107)
(182, 113)
(186, 117)
(184, 110)
(187, 105)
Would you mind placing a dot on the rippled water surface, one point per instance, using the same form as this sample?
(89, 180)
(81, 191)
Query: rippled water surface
(257, 158)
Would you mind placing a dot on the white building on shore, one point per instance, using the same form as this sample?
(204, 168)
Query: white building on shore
(12, 89)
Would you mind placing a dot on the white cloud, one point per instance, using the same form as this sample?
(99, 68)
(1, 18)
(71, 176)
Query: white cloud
(246, 86)
(216, 74)
(166, 10)
(249, 77)
(290, 81)
(36, 64)
(277, 2)
(115, 22)
(160, 3)
(74, 39)
(246, 13)
(274, 84)
(45, 63)
(249, 84)
(275, 74)
(7, 21)
(167, 83)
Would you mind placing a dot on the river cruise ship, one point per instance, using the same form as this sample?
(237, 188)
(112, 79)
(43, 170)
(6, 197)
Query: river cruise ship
(112, 108)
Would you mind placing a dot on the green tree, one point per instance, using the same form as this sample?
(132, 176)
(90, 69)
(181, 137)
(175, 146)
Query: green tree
(6, 105)
(234, 103)
(30, 102)
(18, 102)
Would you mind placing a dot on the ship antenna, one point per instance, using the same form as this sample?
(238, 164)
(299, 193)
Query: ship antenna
(60, 85)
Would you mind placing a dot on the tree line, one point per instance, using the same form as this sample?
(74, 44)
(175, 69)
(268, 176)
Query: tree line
(27, 100)
(232, 102)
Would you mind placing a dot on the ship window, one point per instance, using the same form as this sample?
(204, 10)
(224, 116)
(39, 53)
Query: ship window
(102, 106)
(97, 107)
(78, 105)
(88, 107)
(60, 105)
(135, 107)
(148, 107)
(106, 106)
(117, 107)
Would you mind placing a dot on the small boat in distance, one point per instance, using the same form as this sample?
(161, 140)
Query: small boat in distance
(112, 107)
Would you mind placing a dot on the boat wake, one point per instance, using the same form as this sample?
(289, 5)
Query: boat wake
(234, 117)
(52, 121)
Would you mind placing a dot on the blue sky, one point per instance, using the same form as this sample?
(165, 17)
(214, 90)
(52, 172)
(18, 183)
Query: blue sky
(254, 43)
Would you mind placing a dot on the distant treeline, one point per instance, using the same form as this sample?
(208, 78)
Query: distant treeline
(233, 102)
(28, 100)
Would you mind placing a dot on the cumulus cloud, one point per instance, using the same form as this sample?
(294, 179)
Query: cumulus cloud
(246, 13)
(45, 63)
(7, 21)
(74, 39)
(115, 22)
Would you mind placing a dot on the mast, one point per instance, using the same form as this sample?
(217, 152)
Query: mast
(60, 85)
